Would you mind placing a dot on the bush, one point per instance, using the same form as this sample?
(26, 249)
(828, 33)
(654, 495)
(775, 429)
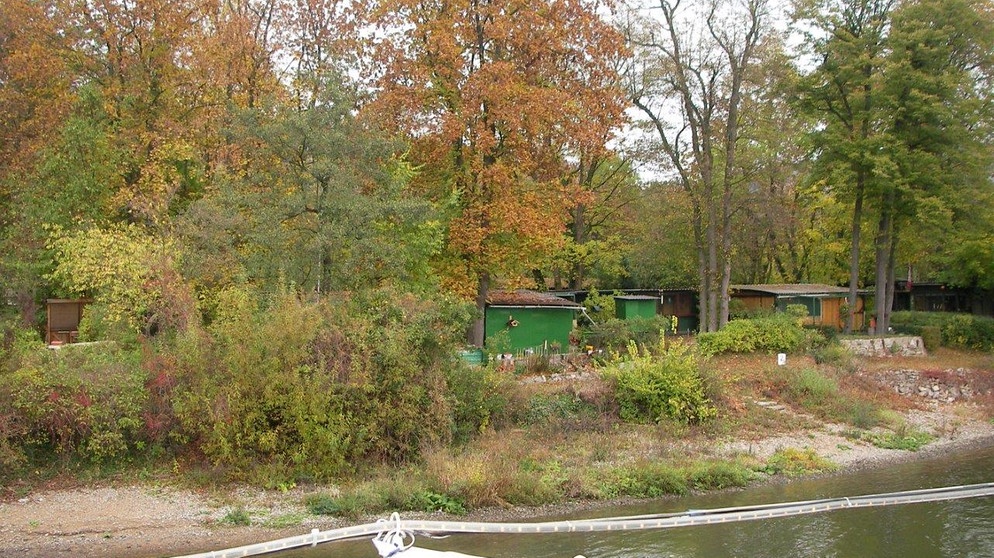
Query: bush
(600, 306)
(321, 387)
(479, 397)
(777, 333)
(931, 337)
(834, 354)
(962, 331)
(84, 401)
(615, 334)
(650, 388)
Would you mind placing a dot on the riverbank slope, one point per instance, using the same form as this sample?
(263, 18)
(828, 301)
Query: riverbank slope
(157, 519)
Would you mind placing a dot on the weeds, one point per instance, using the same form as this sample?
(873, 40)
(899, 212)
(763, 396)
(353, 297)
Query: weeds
(913, 440)
(715, 475)
(794, 462)
(428, 501)
(237, 516)
(644, 480)
(821, 394)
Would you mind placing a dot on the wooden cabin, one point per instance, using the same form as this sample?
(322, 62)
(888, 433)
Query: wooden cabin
(825, 303)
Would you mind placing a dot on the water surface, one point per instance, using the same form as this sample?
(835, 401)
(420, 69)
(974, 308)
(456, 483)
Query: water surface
(963, 528)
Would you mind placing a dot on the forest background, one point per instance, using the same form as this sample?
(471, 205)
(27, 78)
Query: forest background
(288, 214)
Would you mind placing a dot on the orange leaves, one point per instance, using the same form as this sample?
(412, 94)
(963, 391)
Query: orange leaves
(500, 98)
(34, 81)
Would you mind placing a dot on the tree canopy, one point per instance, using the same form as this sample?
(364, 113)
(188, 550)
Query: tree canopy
(450, 148)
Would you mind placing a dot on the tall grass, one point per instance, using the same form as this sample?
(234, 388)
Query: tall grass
(819, 393)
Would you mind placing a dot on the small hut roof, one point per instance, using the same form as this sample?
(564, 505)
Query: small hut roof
(524, 297)
(796, 289)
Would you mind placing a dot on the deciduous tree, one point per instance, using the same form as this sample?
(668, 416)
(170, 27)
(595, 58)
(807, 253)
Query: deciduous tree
(689, 76)
(843, 93)
(495, 96)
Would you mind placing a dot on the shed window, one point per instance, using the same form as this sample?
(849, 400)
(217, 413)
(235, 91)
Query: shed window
(813, 304)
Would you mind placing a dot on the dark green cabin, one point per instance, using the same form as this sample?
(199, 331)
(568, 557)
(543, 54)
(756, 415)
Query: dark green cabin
(627, 307)
(525, 320)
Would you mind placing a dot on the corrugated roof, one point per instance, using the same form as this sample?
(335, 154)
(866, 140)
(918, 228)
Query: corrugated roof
(798, 289)
(524, 297)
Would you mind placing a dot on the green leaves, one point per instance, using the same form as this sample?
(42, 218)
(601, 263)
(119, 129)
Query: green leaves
(773, 334)
(667, 385)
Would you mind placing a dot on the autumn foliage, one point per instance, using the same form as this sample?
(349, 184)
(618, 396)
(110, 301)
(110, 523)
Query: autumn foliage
(496, 98)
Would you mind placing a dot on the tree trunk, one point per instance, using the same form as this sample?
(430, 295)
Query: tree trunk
(714, 278)
(882, 245)
(703, 290)
(475, 336)
(27, 307)
(857, 218)
(890, 277)
(579, 237)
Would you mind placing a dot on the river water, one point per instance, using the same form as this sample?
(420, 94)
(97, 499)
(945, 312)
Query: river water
(963, 528)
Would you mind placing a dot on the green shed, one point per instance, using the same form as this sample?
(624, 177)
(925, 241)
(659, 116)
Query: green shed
(530, 320)
(634, 306)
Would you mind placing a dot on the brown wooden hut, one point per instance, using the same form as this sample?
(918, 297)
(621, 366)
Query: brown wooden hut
(64, 316)
(825, 303)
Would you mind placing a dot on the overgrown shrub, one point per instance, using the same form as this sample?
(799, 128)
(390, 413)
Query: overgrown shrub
(84, 401)
(825, 334)
(667, 385)
(969, 332)
(320, 387)
(777, 333)
(834, 354)
(479, 397)
(600, 306)
(931, 337)
(962, 331)
(615, 334)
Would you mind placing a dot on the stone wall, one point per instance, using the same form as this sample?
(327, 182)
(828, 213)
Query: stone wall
(886, 346)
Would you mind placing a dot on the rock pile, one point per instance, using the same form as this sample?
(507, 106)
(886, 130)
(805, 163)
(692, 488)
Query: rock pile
(945, 386)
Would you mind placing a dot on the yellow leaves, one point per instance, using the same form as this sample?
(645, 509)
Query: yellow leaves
(114, 265)
(160, 181)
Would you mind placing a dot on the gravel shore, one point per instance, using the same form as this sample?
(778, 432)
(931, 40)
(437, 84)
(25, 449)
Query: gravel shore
(151, 520)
